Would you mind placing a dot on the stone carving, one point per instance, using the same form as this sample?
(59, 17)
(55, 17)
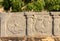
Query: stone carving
(40, 25)
(15, 24)
(57, 25)
(43, 24)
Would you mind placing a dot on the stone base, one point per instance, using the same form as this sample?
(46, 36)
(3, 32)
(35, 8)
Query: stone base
(30, 38)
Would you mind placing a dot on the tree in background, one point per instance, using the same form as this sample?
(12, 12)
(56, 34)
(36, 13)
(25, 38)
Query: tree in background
(6, 4)
(24, 5)
(52, 5)
(36, 5)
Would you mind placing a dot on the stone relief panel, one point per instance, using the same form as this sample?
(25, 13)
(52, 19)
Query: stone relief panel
(57, 25)
(43, 24)
(15, 25)
(56, 17)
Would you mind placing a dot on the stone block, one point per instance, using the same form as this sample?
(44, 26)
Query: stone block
(39, 23)
(13, 24)
(56, 22)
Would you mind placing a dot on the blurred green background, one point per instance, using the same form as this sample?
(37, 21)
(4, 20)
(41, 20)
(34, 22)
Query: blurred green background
(1, 1)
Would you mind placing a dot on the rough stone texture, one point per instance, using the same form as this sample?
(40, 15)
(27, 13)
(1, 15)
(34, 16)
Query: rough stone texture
(31, 39)
(32, 24)
(57, 25)
(48, 39)
(43, 24)
(13, 25)
(30, 28)
(56, 16)
(39, 23)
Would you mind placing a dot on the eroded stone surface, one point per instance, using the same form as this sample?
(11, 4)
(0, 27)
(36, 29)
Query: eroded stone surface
(57, 25)
(29, 24)
(43, 24)
(56, 22)
(39, 23)
(14, 25)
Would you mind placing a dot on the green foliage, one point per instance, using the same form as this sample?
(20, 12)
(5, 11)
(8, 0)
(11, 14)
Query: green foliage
(1, 2)
(25, 5)
(37, 5)
(31, 5)
(6, 4)
(52, 5)
(16, 5)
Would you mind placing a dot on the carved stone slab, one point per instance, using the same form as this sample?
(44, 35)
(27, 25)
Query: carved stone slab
(57, 25)
(43, 25)
(13, 25)
(56, 16)
(39, 23)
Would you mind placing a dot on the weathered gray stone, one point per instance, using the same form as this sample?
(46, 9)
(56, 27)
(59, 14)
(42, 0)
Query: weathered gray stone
(56, 25)
(30, 28)
(43, 24)
(39, 23)
(56, 16)
(29, 24)
(13, 25)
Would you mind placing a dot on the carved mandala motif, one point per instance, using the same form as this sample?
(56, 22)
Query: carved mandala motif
(15, 24)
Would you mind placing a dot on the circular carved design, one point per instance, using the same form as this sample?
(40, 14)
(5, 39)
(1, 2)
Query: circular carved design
(15, 24)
